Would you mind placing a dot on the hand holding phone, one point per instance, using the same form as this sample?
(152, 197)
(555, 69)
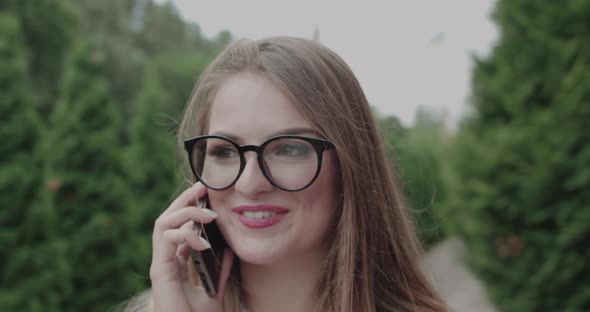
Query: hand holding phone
(173, 239)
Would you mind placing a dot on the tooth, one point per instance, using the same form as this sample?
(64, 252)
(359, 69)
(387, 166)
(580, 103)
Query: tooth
(258, 214)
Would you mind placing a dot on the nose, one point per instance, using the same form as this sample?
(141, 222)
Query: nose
(252, 181)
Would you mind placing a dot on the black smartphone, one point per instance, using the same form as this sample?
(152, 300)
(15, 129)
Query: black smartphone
(208, 262)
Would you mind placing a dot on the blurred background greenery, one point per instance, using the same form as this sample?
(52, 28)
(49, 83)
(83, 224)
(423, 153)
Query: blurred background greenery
(90, 97)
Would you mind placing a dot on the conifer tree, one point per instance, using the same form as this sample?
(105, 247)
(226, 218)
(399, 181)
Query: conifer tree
(523, 159)
(83, 164)
(48, 29)
(19, 173)
(150, 165)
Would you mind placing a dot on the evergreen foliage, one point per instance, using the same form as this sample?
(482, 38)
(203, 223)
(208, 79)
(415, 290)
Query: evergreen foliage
(418, 152)
(79, 187)
(421, 155)
(48, 30)
(178, 72)
(150, 165)
(19, 174)
(521, 161)
(86, 193)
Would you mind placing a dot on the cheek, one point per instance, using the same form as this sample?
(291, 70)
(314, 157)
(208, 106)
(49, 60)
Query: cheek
(216, 200)
(322, 196)
(328, 180)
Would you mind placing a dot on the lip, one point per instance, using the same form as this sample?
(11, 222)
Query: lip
(280, 212)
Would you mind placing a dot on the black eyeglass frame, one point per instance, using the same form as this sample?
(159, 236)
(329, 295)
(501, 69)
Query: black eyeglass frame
(319, 145)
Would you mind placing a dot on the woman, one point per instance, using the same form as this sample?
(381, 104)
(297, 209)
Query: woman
(342, 241)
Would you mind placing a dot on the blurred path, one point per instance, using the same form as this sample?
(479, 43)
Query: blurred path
(458, 286)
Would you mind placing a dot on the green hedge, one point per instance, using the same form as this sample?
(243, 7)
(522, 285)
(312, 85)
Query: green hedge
(87, 160)
(520, 175)
(418, 153)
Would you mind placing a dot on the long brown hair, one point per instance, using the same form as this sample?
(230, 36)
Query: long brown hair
(374, 261)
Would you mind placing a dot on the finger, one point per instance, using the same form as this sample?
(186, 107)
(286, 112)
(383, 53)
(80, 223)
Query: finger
(182, 255)
(226, 264)
(183, 263)
(188, 236)
(187, 198)
(164, 248)
(183, 249)
(183, 252)
(179, 217)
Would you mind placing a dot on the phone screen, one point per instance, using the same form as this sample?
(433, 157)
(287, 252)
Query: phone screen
(208, 262)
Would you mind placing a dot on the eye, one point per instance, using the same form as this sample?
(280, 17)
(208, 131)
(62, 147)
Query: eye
(292, 149)
(223, 152)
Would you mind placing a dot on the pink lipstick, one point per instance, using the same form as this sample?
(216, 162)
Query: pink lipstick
(260, 216)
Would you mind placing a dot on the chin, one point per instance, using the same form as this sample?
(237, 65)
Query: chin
(258, 253)
(255, 258)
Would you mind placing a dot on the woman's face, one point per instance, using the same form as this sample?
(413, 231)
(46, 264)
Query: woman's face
(250, 109)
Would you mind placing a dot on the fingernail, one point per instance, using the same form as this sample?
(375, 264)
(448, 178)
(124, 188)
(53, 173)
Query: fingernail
(210, 212)
(205, 242)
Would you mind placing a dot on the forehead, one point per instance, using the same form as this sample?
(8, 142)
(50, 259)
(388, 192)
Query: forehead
(250, 105)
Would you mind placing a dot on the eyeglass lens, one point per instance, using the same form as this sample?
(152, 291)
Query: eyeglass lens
(290, 163)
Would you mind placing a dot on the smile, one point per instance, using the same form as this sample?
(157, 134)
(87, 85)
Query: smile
(258, 214)
(257, 217)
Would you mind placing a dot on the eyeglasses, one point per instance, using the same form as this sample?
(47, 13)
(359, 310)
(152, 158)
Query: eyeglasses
(289, 162)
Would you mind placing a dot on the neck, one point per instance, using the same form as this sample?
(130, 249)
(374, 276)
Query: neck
(288, 286)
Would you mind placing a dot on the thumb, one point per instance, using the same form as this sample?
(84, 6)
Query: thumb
(226, 265)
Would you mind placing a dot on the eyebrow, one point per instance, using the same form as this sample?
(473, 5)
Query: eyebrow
(288, 131)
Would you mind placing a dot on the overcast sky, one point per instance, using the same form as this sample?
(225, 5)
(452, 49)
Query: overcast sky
(406, 54)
